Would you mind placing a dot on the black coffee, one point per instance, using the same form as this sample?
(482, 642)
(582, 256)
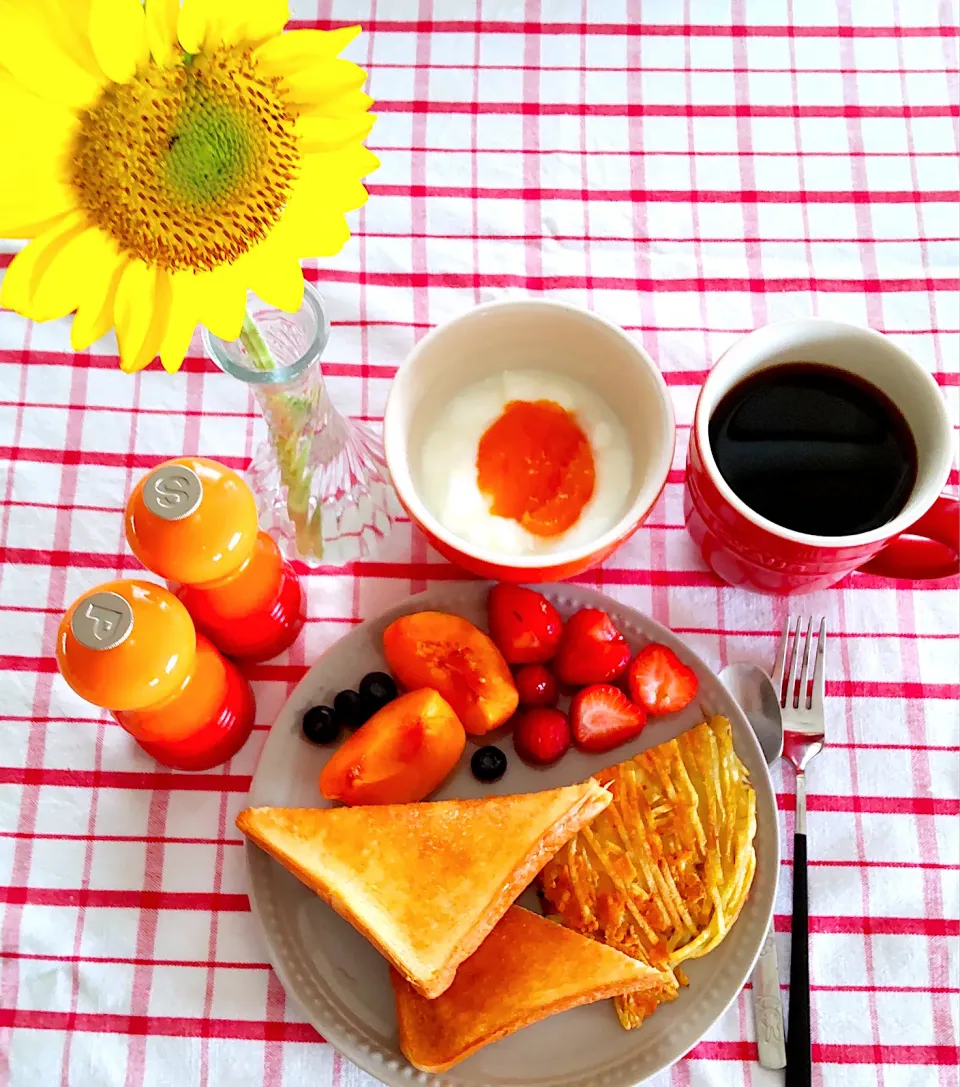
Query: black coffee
(814, 449)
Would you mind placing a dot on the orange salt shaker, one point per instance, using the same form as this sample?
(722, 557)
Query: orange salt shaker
(193, 521)
(131, 647)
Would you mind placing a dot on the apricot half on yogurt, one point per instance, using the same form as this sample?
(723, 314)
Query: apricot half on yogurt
(535, 466)
(449, 654)
(399, 756)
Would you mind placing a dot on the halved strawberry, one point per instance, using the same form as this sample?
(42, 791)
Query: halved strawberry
(524, 625)
(592, 650)
(602, 718)
(659, 681)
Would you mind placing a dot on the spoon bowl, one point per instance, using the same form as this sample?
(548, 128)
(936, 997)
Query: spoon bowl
(754, 690)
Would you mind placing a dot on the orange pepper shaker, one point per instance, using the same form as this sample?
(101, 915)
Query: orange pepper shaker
(194, 522)
(131, 647)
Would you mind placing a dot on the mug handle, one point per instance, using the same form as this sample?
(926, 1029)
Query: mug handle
(928, 558)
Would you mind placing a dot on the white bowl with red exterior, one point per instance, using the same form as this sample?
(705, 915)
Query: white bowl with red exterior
(530, 335)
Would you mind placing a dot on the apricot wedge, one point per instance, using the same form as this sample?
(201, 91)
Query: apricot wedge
(399, 756)
(433, 649)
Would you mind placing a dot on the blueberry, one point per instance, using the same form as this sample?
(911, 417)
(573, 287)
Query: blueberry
(320, 725)
(350, 710)
(376, 690)
(489, 764)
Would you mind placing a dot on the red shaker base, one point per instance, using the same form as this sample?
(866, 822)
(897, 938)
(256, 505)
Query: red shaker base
(255, 637)
(218, 740)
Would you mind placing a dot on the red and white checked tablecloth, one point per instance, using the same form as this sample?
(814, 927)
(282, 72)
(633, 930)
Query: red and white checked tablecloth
(689, 169)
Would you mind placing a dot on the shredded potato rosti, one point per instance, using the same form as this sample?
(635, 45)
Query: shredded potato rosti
(663, 873)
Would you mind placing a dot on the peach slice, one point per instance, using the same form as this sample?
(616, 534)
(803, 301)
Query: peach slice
(399, 756)
(433, 649)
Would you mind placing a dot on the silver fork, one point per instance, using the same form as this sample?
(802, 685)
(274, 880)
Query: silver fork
(801, 702)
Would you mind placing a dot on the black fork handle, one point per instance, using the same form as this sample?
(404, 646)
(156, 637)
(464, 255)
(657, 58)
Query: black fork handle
(799, 1059)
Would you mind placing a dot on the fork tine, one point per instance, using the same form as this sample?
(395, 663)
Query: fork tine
(779, 666)
(817, 693)
(802, 701)
(789, 696)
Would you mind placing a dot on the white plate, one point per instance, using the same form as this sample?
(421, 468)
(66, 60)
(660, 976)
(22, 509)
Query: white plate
(341, 982)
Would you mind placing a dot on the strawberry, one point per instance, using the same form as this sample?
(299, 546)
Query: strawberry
(536, 685)
(592, 650)
(524, 624)
(659, 681)
(541, 736)
(602, 718)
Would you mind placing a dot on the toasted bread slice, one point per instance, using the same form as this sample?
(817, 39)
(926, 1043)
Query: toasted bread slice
(425, 883)
(526, 969)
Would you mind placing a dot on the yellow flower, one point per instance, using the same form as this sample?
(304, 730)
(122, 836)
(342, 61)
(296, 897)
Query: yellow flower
(165, 159)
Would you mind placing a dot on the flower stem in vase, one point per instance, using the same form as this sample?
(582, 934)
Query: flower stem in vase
(321, 482)
(291, 445)
(252, 339)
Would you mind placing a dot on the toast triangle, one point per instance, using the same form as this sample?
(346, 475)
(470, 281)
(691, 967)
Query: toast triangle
(426, 882)
(527, 969)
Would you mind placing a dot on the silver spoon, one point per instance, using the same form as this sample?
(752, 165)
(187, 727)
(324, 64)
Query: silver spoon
(753, 690)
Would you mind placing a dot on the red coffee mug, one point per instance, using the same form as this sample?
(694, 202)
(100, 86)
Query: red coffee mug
(743, 548)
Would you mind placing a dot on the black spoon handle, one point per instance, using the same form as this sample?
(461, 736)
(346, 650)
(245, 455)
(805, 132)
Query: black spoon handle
(798, 1072)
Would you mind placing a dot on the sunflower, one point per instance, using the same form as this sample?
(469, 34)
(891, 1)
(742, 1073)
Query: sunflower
(166, 159)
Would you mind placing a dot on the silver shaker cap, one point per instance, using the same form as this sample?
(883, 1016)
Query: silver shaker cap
(172, 492)
(102, 621)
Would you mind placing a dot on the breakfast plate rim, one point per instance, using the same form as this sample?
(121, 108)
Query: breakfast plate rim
(356, 1039)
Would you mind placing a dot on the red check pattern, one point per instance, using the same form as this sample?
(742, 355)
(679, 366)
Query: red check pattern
(689, 170)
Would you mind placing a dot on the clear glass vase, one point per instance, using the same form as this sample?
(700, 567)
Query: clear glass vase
(320, 480)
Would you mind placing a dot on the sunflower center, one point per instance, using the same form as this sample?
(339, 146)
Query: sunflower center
(189, 166)
(208, 154)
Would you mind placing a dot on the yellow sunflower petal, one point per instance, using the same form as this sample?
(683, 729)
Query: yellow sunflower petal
(32, 188)
(312, 224)
(69, 23)
(311, 227)
(94, 316)
(30, 52)
(118, 35)
(312, 231)
(333, 178)
(26, 268)
(184, 306)
(332, 79)
(31, 129)
(62, 283)
(192, 25)
(158, 323)
(34, 143)
(253, 20)
(162, 18)
(344, 105)
(221, 297)
(17, 223)
(273, 273)
(200, 24)
(298, 50)
(318, 133)
(140, 313)
(132, 308)
(353, 162)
